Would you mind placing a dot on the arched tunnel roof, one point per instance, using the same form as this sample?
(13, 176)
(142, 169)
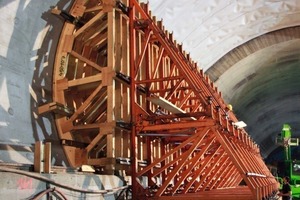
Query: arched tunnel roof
(261, 80)
(251, 50)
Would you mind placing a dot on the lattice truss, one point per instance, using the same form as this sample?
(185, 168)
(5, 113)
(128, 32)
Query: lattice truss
(127, 97)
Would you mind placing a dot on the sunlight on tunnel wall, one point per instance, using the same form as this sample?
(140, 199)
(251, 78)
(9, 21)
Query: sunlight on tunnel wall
(8, 20)
(4, 101)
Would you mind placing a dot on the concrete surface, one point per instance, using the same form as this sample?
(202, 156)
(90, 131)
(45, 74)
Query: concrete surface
(28, 37)
(18, 186)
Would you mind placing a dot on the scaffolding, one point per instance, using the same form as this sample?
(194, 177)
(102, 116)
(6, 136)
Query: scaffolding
(128, 98)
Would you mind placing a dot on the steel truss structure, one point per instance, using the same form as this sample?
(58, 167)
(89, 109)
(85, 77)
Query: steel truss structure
(128, 98)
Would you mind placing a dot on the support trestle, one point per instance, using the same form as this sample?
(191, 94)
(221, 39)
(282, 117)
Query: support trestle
(127, 90)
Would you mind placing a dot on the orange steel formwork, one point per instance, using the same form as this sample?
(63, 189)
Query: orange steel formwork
(128, 99)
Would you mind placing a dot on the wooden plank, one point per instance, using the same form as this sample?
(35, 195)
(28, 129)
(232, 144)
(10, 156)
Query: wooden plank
(111, 83)
(56, 108)
(93, 9)
(102, 161)
(45, 108)
(86, 80)
(86, 102)
(117, 67)
(100, 40)
(165, 104)
(68, 43)
(126, 143)
(119, 143)
(92, 32)
(80, 157)
(89, 23)
(72, 65)
(87, 61)
(78, 10)
(108, 5)
(47, 159)
(118, 86)
(38, 156)
(95, 141)
(125, 69)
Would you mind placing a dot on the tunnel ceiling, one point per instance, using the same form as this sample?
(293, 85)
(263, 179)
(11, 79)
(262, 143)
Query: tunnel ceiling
(251, 49)
(263, 86)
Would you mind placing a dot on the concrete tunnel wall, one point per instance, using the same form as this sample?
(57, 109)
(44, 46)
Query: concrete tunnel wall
(28, 37)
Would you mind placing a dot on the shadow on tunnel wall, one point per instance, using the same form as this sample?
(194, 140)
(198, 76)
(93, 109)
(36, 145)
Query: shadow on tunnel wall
(26, 83)
(44, 125)
(26, 63)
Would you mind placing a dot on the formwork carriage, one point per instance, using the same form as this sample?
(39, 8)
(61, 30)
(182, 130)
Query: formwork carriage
(129, 99)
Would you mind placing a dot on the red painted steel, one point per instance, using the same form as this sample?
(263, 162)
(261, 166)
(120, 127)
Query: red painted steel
(214, 154)
(128, 98)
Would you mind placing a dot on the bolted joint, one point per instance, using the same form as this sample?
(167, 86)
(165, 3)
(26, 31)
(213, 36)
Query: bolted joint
(122, 7)
(141, 24)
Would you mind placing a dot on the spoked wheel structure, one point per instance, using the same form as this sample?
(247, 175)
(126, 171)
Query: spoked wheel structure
(128, 99)
(91, 88)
